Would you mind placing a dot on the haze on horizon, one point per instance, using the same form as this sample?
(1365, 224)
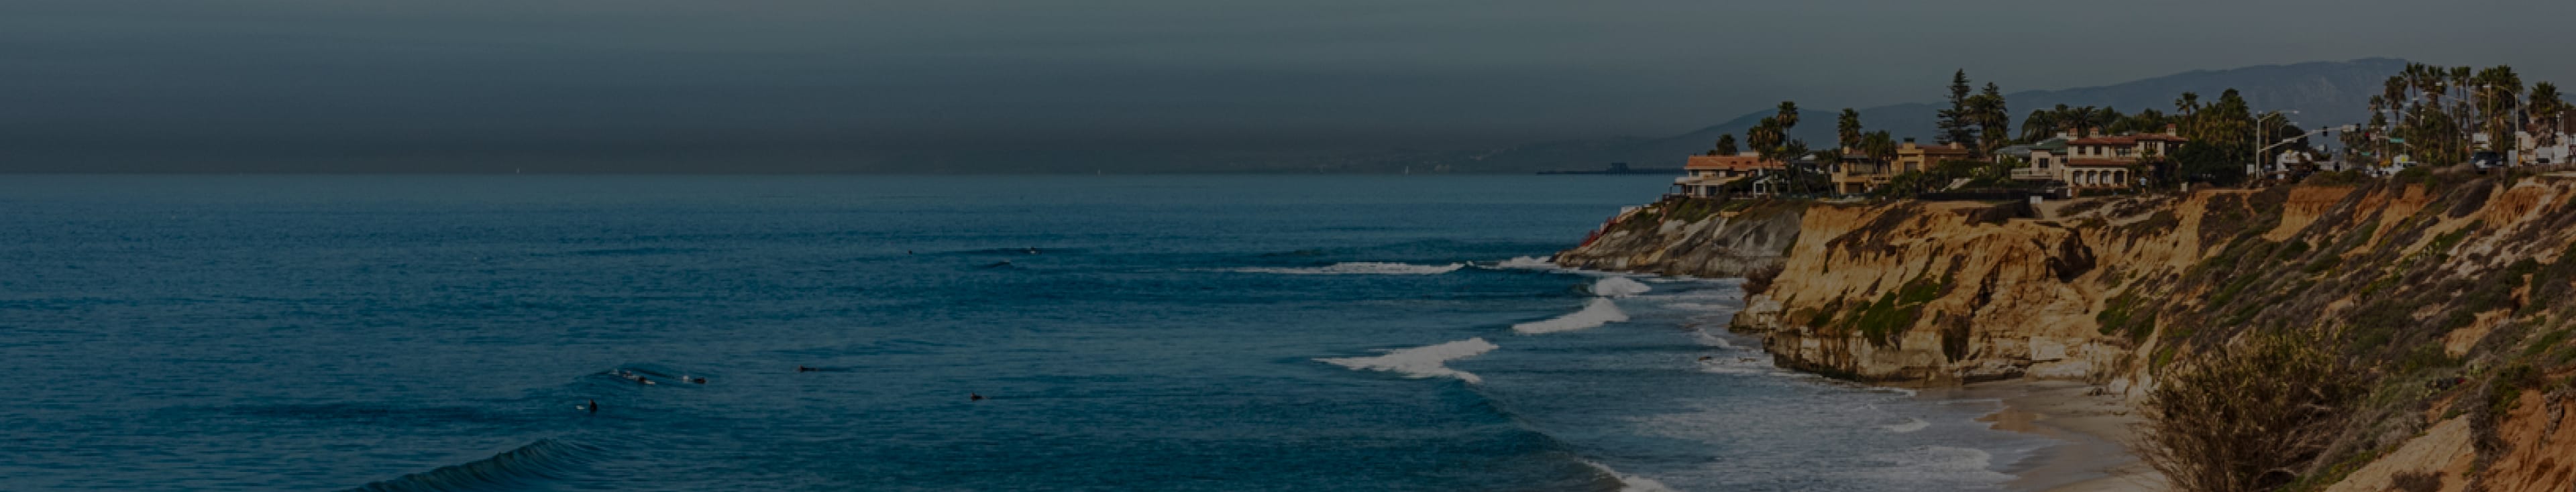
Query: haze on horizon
(956, 86)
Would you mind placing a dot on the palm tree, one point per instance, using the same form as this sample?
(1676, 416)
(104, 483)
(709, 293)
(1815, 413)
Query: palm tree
(1765, 136)
(2499, 92)
(2039, 126)
(1725, 145)
(2188, 104)
(2104, 118)
(1847, 129)
(2078, 120)
(2549, 108)
(1788, 117)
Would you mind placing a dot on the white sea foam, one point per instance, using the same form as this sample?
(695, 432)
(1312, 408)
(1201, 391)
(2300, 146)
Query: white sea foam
(1733, 364)
(1693, 306)
(1619, 287)
(1527, 263)
(1630, 483)
(1937, 464)
(1891, 389)
(1362, 268)
(1421, 362)
(1600, 312)
(1713, 340)
(1910, 425)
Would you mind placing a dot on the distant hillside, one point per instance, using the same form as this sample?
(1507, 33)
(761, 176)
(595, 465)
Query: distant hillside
(2326, 93)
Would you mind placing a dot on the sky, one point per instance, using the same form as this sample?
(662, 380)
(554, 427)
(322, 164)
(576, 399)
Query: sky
(951, 85)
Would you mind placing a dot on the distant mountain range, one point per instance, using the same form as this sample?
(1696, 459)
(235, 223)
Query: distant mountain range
(2325, 93)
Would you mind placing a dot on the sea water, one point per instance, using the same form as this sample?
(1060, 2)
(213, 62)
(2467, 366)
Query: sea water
(1125, 333)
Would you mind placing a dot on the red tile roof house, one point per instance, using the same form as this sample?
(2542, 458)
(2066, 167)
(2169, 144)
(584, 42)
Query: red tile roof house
(1709, 175)
(2102, 162)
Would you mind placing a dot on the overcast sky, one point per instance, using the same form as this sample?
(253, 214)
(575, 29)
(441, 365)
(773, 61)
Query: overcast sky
(233, 80)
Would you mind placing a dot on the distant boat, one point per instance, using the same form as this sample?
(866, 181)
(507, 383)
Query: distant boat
(1622, 168)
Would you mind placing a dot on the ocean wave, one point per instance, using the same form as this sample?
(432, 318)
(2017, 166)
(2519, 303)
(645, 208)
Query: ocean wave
(1600, 312)
(361, 413)
(1619, 287)
(1753, 366)
(1713, 340)
(1362, 268)
(1527, 263)
(1693, 306)
(520, 468)
(1630, 483)
(1936, 465)
(1910, 425)
(1421, 362)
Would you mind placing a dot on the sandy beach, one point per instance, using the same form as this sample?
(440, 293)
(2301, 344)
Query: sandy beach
(2092, 426)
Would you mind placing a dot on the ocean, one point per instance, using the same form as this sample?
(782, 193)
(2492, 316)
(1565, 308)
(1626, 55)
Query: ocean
(1228, 333)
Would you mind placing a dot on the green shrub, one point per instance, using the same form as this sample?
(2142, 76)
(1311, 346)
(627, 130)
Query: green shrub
(2322, 264)
(2238, 418)
(1896, 311)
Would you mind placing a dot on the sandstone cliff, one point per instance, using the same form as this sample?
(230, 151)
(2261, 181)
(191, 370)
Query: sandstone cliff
(2450, 294)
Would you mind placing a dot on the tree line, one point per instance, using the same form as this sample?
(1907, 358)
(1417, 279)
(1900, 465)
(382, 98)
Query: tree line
(2426, 110)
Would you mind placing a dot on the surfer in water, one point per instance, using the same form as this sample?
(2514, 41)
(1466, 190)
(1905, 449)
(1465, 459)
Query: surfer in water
(802, 368)
(974, 397)
(594, 406)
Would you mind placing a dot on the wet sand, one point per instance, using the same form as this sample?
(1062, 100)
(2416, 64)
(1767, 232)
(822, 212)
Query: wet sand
(2093, 427)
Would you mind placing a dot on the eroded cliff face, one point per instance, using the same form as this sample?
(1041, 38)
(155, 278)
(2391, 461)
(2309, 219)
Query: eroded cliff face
(1692, 237)
(2453, 293)
(1935, 293)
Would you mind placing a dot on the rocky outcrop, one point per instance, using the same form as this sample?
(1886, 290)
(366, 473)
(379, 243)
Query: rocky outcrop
(1693, 236)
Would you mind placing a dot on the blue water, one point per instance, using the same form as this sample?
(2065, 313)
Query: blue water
(1131, 333)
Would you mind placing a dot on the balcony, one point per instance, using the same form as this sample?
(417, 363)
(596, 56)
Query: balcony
(2029, 174)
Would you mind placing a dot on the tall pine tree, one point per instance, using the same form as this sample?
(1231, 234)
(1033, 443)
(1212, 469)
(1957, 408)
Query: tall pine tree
(1956, 123)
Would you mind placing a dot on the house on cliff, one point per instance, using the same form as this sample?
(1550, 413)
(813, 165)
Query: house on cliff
(2092, 162)
(1912, 158)
(1857, 173)
(1712, 176)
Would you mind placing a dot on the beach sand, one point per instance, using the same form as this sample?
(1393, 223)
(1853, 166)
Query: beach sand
(2094, 428)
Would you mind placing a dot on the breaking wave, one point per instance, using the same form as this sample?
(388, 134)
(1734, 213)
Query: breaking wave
(1630, 483)
(1362, 268)
(1421, 362)
(1527, 263)
(525, 467)
(1936, 464)
(1910, 425)
(1619, 287)
(1600, 312)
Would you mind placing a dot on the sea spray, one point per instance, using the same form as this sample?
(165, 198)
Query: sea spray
(1630, 483)
(1421, 362)
(1600, 312)
(1909, 425)
(1619, 287)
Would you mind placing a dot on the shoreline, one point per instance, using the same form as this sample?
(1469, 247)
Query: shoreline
(2092, 429)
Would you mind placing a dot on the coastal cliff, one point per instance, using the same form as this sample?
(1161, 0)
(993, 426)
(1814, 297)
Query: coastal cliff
(2441, 297)
(1693, 237)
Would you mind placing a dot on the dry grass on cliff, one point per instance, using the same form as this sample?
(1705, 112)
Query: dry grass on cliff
(2251, 416)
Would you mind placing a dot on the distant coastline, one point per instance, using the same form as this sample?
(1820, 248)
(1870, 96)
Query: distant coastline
(1619, 168)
